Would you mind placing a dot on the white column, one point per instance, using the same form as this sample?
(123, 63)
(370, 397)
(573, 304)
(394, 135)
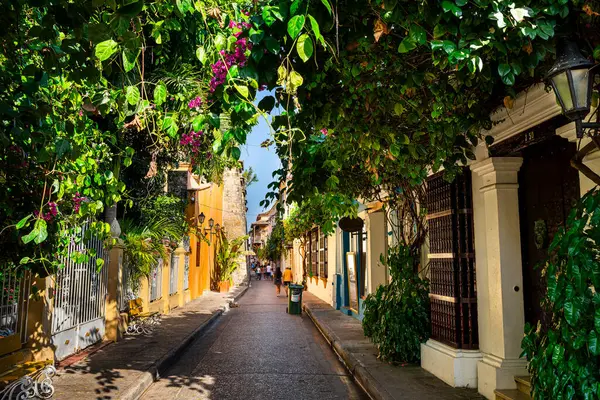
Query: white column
(500, 286)
(592, 160)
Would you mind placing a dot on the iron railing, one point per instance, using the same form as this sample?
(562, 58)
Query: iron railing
(174, 273)
(15, 289)
(80, 292)
(156, 281)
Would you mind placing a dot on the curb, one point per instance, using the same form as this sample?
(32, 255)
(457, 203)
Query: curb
(361, 375)
(152, 374)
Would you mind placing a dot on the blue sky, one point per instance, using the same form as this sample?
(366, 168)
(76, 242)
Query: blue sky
(263, 161)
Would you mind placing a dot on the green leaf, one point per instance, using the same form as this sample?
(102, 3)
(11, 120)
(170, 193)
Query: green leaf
(23, 222)
(62, 147)
(160, 94)
(236, 153)
(201, 54)
(504, 69)
(395, 150)
(99, 264)
(558, 355)
(450, 6)
(129, 59)
(593, 343)
(596, 318)
(406, 45)
(130, 10)
(25, 260)
(398, 109)
(272, 45)
(448, 46)
(233, 72)
(304, 46)
(439, 31)
(220, 42)
(243, 90)
(198, 123)
(295, 6)
(268, 16)
(256, 35)
(509, 79)
(266, 104)
(132, 94)
(418, 34)
(38, 234)
(328, 6)
(461, 3)
(184, 5)
(314, 25)
(295, 25)
(104, 50)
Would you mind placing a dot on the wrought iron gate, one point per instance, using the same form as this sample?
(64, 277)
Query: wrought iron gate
(79, 300)
(453, 292)
(15, 287)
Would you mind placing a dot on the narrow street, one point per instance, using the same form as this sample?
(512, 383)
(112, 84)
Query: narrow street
(258, 351)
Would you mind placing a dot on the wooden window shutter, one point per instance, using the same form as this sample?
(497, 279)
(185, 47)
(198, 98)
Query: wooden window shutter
(453, 289)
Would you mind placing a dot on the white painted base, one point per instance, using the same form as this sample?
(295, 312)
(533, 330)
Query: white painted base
(458, 368)
(497, 373)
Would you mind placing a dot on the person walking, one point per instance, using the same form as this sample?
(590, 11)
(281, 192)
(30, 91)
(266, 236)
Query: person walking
(258, 273)
(277, 280)
(269, 270)
(287, 279)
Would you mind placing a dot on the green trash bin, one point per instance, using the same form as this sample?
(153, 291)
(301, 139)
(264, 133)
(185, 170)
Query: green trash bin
(295, 299)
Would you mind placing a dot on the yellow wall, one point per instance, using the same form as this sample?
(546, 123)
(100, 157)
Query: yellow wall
(210, 202)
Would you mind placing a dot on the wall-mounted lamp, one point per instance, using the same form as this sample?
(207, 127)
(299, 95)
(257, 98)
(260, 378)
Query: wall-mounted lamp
(572, 78)
(201, 218)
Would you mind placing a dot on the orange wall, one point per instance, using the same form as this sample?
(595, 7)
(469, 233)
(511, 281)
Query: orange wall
(210, 202)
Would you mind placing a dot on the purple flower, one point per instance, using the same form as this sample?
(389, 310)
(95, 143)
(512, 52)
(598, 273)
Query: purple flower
(195, 103)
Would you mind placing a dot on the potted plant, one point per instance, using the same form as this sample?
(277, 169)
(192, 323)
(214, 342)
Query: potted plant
(226, 260)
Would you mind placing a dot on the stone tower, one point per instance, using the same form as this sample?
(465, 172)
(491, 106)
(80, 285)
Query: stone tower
(234, 214)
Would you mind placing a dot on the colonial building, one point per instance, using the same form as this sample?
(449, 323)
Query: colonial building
(487, 232)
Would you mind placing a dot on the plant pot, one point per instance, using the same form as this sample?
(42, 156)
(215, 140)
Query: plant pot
(223, 286)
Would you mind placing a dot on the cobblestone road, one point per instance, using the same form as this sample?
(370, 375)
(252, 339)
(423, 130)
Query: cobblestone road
(258, 351)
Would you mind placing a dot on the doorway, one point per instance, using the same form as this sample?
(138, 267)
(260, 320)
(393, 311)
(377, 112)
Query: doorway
(548, 189)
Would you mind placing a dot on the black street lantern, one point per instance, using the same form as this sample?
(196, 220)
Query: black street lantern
(211, 223)
(201, 218)
(218, 228)
(572, 79)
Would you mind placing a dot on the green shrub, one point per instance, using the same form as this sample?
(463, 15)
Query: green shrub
(396, 316)
(564, 353)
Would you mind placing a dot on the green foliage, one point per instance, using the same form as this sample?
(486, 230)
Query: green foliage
(275, 242)
(79, 80)
(563, 353)
(396, 316)
(227, 255)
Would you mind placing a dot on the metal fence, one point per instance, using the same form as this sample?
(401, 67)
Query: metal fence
(174, 273)
(156, 281)
(186, 272)
(80, 291)
(15, 289)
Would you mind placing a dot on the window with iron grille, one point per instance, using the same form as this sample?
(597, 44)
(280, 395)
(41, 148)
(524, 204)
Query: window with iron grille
(453, 290)
(322, 255)
(174, 273)
(314, 250)
(186, 272)
(156, 281)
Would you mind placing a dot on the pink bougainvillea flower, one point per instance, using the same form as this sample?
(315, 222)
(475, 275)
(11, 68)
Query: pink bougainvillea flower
(324, 131)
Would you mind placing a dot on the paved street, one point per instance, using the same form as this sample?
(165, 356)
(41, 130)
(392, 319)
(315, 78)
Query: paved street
(258, 351)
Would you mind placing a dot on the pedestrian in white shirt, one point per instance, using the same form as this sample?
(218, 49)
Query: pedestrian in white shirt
(268, 274)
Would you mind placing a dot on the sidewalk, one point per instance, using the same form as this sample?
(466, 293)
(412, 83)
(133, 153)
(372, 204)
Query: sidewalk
(380, 380)
(124, 370)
